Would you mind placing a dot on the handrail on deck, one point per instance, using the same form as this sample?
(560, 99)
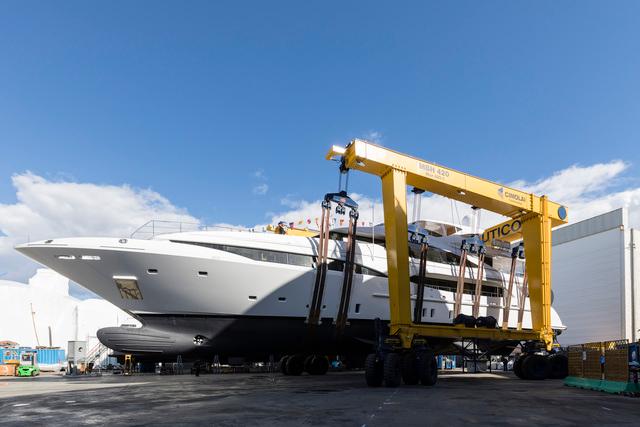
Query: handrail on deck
(156, 227)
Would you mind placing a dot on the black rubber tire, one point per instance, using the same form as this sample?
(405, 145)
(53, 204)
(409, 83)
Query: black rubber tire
(517, 367)
(295, 364)
(463, 319)
(373, 370)
(535, 367)
(428, 369)
(308, 363)
(558, 366)
(486, 322)
(283, 365)
(319, 365)
(410, 372)
(392, 370)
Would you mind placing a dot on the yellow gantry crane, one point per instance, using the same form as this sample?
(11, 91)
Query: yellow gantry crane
(531, 219)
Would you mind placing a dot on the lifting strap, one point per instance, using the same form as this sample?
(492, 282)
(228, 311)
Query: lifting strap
(521, 300)
(321, 269)
(349, 266)
(478, 291)
(315, 308)
(461, 272)
(515, 253)
(422, 278)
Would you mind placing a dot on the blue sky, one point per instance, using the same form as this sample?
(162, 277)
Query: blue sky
(191, 99)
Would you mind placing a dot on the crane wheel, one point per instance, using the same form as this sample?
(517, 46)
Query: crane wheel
(517, 367)
(428, 369)
(410, 372)
(295, 364)
(535, 367)
(558, 366)
(392, 370)
(283, 365)
(308, 362)
(322, 365)
(373, 370)
(316, 364)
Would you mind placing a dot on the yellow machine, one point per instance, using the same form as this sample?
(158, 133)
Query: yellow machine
(127, 369)
(531, 219)
(283, 228)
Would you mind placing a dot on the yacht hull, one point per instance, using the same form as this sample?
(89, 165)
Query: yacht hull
(197, 302)
(164, 337)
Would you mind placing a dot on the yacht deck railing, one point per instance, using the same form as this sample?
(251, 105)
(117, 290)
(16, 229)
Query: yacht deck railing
(157, 227)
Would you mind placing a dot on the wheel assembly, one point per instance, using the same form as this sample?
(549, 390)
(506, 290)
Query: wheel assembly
(283, 364)
(517, 367)
(428, 368)
(558, 366)
(295, 364)
(307, 363)
(316, 364)
(535, 367)
(373, 370)
(410, 371)
(392, 370)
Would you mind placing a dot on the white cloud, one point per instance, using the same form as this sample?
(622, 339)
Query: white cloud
(374, 136)
(261, 189)
(576, 183)
(586, 190)
(259, 173)
(49, 209)
(589, 190)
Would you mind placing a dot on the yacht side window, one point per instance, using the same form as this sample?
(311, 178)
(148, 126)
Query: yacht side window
(335, 265)
(361, 269)
(262, 255)
(272, 256)
(435, 255)
(301, 260)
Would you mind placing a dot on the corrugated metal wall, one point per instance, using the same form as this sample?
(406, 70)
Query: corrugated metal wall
(51, 356)
(46, 356)
(592, 281)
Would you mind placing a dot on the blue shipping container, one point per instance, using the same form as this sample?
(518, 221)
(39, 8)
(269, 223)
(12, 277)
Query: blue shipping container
(46, 356)
(51, 356)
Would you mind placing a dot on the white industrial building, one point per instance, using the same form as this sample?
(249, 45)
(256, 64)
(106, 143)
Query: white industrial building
(595, 286)
(42, 313)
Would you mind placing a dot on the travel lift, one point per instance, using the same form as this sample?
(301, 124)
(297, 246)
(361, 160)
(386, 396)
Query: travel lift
(404, 353)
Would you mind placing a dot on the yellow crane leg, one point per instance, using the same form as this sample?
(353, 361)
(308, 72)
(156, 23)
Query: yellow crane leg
(394, 196)
(536, 233)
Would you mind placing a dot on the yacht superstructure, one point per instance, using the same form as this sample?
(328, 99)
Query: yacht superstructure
(230, 293)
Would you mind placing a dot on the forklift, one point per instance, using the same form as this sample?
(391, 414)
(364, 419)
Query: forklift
(28, 364)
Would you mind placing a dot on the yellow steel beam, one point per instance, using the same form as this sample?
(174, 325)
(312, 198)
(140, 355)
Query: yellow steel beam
(536, 231)
(507, 231)
(532, 218)
(394, 198)
(367, 157)
(460, 331)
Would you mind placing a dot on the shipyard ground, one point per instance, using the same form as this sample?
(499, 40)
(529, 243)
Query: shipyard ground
(337, 399)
